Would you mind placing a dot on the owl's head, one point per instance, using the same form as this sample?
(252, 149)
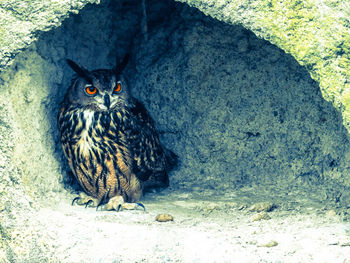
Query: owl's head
(100, 90)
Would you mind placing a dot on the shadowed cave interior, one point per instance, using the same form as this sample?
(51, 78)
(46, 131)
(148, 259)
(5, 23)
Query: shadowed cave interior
(241, 114)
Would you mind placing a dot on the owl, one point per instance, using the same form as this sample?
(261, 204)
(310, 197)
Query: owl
(110, 140)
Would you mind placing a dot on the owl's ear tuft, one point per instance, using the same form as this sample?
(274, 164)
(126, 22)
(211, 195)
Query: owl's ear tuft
(121, 66)
(82, 72)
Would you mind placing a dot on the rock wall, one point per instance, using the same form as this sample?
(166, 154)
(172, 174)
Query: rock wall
(22, 21)
(316, 33)
(237, 109)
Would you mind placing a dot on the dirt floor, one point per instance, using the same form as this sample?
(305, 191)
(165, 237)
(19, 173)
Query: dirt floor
(242, 226)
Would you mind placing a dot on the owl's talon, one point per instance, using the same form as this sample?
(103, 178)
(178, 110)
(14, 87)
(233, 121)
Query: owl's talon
(140, 205)
(132, 206)
(84, 199)
(99, 205)
(118, 204)
(88, 203)
(75, 199)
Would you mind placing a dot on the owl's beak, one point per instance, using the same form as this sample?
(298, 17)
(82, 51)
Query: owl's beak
(107, 101)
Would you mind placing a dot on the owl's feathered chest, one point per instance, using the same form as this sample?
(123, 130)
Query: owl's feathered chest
(95, 144)
(92, 129)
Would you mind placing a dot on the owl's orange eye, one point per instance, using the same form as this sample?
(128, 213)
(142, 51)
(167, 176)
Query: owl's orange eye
(90, 90)
(118, 87)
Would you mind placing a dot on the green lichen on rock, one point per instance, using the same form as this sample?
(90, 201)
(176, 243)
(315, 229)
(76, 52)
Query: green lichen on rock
(316, 33)
(21, 22)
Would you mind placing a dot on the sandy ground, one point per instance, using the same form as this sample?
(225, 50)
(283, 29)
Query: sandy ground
(205, 229)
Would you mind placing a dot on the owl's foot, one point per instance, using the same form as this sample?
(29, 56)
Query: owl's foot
(117, 203)
(84, 199)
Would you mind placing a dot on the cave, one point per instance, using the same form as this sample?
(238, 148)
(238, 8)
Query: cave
(254, 136)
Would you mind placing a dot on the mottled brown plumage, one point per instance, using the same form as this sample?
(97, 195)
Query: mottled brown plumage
(109, 138)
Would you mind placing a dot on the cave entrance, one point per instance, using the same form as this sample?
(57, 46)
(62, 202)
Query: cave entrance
(237, 110)
(255, 138)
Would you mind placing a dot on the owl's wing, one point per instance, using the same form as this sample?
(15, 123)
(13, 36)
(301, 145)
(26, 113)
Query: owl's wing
(148, 154)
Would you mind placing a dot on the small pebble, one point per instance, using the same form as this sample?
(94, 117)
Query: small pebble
(331, 213)
(164, 218)
(241, 207)
(347, 244)
(261, 216)
(272, 243)
(260, 207)
(196, 189)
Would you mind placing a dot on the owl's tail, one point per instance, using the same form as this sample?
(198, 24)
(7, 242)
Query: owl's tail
(159, 181)
(172, 159)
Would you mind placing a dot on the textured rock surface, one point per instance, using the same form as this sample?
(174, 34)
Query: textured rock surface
(247, 121)
(316, 33)
(22, 21)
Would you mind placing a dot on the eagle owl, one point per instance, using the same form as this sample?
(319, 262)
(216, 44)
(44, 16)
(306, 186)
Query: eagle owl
(110, 140)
